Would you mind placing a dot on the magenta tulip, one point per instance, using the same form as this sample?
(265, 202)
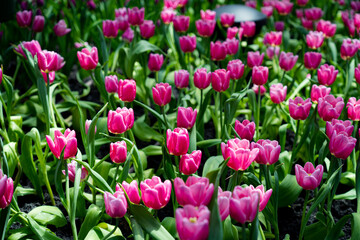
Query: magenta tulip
(205, 28)
(220, 80)
(187, 43)
(227, 19)
(189, 163)
(224, 203)
(132, 190)
(147, 29)
(192, 222)
(72, 171)
(61, 141)
(330, 107)
(177, 141)
(38, 24)
(118, 152)
(271, 52)
(123, 23)
(307, 24)
(353, 109)
(167, 15)
(302, 3)
(299, 109)
(273, 38)
(231, 32)
(218, 51)
(326, 28)
(278, 93)
(309, 177)
(33, 47)
(338, 126)
(313, 14)
(269, 151)
(318, 92)
(181, 23)
(24, 18)
(202, 78)
(249, 28)
(161, 94)
(110, 28)
(186, 117)
(121, 120)
(115, 205)
(244, 204)
(287, 61)
(255, 88)
(245, 129)
(260, 75)
(283, 7)
(348, 49)
(136, 16)
(254, 59)
(327, 74)
(154, 193)
(315, 39)
(207, 15)
(279, 26)
(232, 46)
(111, 84)
(87, 126)
(49, 61)
(357, 74)
(127, 90)
(155, 62)
(236, 69)
(341, 145)
(61, 29)
(88, 59)
(128, 35)
(121, 12)
(6, 190)
(267, 11)
(51, 77)
(312, 60)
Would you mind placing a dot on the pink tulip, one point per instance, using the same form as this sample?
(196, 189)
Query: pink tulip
(24, 18)
(177, 141)
(220, 80)
(61, 141)
(115, 205)
(121, 120)
(110, 28)
(278, 93)
(326, 28)
(205, 28)
(127, 90)
(231, 32)
(249, 28)
(239, 154)
(271, 52)
(339, 126)
(236, 69)
(161, 94)
(122, 22)
(327, 74)
(251, 3)
(49, 61)
(244, 204)
(154, 193)
(202, 78)
(348, 49)
(132, 190)
(61, 29)
(186, 117)
(155, 62)
(136, 16)
(357, 74)
(330, 107)
(91, 5)
(218, 51)
(299, 109)
(208, 15)
(254, 59)
(167, 15)
(38, 24)
(255, 88)
(355, 5)
(267, 11)
(307, 24)
(302, 3)
(313, 14)
(181, 23)
(315, 39)
(187, 43)
(240, 33)
(260, 75)
(245, 129)
(283, 7)
(353, 109)
(111, 84)
(147, 29)
(33, 47)
(287, 61)
(308, 177)
(312, 60)
(121, 12)
(192, 222)
(88, 59)
(341, 145)
(51, 77)
(87, 126)
(269, 151)
(227, 19)
(318, 92)
(224, 203)
(118, 152)
(72, 171)
(1, 74)
(197, 191)
(6, 190)
(299, 13)
(232, 46)
(357, 21)
(171, 3)
(181, 79)
(273, 38)
(189, 163)
(279, 26)
(128, 35)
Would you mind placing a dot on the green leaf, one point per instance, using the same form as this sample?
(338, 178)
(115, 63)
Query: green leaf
(355, 226)
(99, 232)
(137, 230)
(170, 224)
(232, 103)
(230, 231)
(289, 191)
(208, 143)
(213, 163)
(144, 132)
(92, 218)
(335, 231)
(316, 231)
(282, 134)
(152, 150)
(156, 114)
(192, 146)
(48, 215)
(40, 231)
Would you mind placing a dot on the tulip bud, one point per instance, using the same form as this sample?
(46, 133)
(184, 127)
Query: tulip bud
(232, 46)
(255, 88)
(254, 59)
(6, 190)
(279, 26)
(326, 28)
(236, 69)
(272, 51)
(61, 141)
(207, 15)
(127, 90)
(181, 23)
(118, 152)
(231, 32)
(49, 61)
(205, 28)
(227, 19)
(115, 205)
(161, 94)
(61, 29)
(128, 35)
(338, 126)
(341, 145)
(24, 18)
(327, 74)
(38, 24)
(147, 29)
(167, 15)
(177, 141)
(249, 28)
(260, 75)
(218, 51)
(187, 43)
(131, 190)
(155, 62)
(278, 93)
(87, 126)
(72, 171)
(287, 61)
(33, 47)
(202, 78)
(318, 92)
(111, 84)
(283, 7)
(189, 163)
(192, 222)
(136, 16)
(121, 120)
(245, 129)
(273, 38)
(353, 109)
(312, 60)
(154, 193)
(330, 107)
(88, 59)
(269, 151)
(308, 177)
(299, 109)
(186, 117)
(110, 28)
(220, 80)
(224, 203)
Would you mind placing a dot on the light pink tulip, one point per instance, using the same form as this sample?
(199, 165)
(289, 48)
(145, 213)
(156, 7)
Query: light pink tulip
(192, 222)
(61, 141)
(308, 177)
(120, 120)
(189, 163)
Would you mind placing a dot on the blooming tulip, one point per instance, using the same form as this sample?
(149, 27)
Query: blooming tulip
(279, 26)
(287, 61)
(171, 3)
(61, 141)
(161, 94)
(72, 171)
(251, 3)
(307, 24)
(136, 16)
(308, 177)
(38, 24)
(224, 203)
(218, 51)
(154, 193)
(61, 29)
(186, 117)
(122, 22)
(327, 74)
(341, 145)
(231, 32)
(227, 19)
(24, 18)
(121, 120)
(302, 3)
(254, 59)
(207, 15)
(220, 80)
(131, 190)
(232, 46)
(348, 49)
(115, 205)
(121, 12)
(127, 90)
(299, 109)
(269, 151)
(110, 28)
(313, 14)
(6, 190)
(236, 69)
(315, 39)
(245, 129)
(87, 126)
(249, 28)
(273, 38)
(260, 75)
(202, 78)
(353, 109)
(283, 7)
(167, 15)
(255, 88)
(51, 77)
(205, 28)
(240, 33)
(267, 11)
(147, 29)
(318, 92)
(189, 163)
(243, 204)
(177, 141)
(272, 51)
(33, 47)
(357, 74)
(187, 43)
(88, 59)
(155, 62)
(197, 191)
(278, 93)
(339, 126)
(118, 152)
(192, 222)
(111, 84)
(91, 4)
(128, 35)
(181, 23)
(181, 79)
(239, 154)
(330, 107)
(312, 60)
(326, 28)
(49, 61)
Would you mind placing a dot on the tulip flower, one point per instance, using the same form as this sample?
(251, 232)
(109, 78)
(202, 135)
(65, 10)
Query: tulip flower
(205, 28)
(88, 59)
(192, 222)
(260, 75)
(249, 28)
(171, 4)
(91, 4)
(255, 88)
(348, 49)
(269, 151)
(341, 145)
(6, 190)
(61, 141)
(87, 126)
(326, 28)
(318, 92)
(338, 126)
(33, 47)
(51, 77)
(110, 28)
(357, 74)
(121, 120)
(38, 24)
(161, 94)
(197, 191)
(202, 78)
(181, 23)
(132, 190)
(315, 39)
(267, 11)
(312, 60)
(302, 3)
(155, 62)
(236, 69)
(283, 7)
(61, 29)
(243, 204)
(224, 203)
(186, 117)
(251, 3)
(123, 23)
(227, 19)
(127, 90)
(167, 15)
(254, 59)
(189, 163)
(327, 74)
(279, 26)
(220, 80)
(128, 35)
(1, 74)
(207, 15)
(187, 43)
(136, 16)
(239, 153)
(231, 32)
(218, 51)
(72, 171)
(309, 177)
(154, 193)
(313, 14)
(49, 61)
(177, 141)
(307, 24)
(299, 13)
(272, 51)
(245, 129)
(278, 93)
(118, 152)
(232, 46)
(24, 18)
(299, 109)
(147, 29)
(181, 79)
(111, 84)
(330, 107)
(273, 38)
(115, 205)
(121, 12)
(353, 109)
(287, 61)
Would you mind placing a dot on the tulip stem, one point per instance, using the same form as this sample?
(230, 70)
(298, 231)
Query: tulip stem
(67, 192)
(221, 116)
(243, 231)
(165, 119)
(282, 77)
(113, 183)
(358, 184)
(112, 231)
(302, 227)
(258, 115)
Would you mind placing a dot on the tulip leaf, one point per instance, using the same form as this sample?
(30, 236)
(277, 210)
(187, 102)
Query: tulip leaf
(282, 134)
(317, 231)
(289, 191)
(333, 50)
(335, 231)
(170, 224)
(125, 170)
(230, 231)
(232, 103)
(48, 215)
(192, 145)
(208, 143)
(104, 48)
(92, 218)
(355, 226)
(136, 229)
(156, 114)
(152, 150)
(99, 232)
(40, 231)
(144, 132)
(212, 164)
